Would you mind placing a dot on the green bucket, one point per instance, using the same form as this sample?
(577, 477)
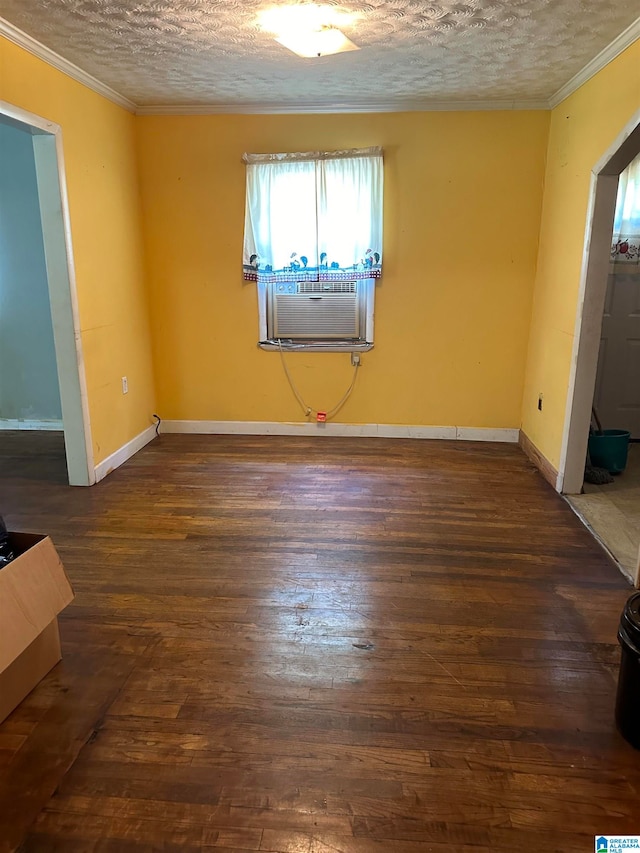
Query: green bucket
(608, 449)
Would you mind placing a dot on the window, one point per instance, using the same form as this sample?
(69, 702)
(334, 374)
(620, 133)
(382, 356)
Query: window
(313, 244)
(625, 247)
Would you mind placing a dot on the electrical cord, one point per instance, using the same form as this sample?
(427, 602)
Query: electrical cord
(347, 394)
(308, 410)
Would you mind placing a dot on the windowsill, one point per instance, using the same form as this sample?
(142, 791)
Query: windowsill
(316, 346)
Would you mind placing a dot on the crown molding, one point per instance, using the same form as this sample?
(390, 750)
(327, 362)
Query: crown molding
(276, 108)
(615, 48)
(13, 34)
(25, 41)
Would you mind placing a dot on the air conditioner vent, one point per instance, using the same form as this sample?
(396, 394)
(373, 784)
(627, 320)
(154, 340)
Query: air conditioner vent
(327, 287)
(317, 311)
(325, 318)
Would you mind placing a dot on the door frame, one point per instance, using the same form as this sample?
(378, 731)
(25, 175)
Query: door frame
(63, 297)
(593, 287)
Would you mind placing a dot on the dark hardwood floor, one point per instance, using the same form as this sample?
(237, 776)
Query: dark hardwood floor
(311, 646)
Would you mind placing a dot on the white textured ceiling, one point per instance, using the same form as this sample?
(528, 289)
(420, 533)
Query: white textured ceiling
(198, 52)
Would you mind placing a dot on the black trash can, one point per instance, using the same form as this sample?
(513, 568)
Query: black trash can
(628, 697)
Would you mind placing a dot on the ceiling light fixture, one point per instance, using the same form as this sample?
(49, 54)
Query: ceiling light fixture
(321, 42)
(308, 29)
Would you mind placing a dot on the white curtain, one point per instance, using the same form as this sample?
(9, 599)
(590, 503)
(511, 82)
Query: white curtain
(313, 216)
(625, 246)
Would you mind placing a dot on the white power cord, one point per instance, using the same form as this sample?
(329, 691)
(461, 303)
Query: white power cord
(308, 410)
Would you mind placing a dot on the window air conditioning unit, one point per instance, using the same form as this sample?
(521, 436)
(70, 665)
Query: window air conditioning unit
(317, 310)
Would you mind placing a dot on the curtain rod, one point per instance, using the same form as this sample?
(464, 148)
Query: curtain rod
(306, 156)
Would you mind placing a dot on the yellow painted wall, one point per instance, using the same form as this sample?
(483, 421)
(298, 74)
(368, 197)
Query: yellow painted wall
(104, 201)
(582, 129)
(463, 194)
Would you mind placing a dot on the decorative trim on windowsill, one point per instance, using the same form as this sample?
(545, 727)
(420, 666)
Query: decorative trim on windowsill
(318, 347)
(337, 429)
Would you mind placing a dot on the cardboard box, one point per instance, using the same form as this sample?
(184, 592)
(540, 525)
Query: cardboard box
(34, 588)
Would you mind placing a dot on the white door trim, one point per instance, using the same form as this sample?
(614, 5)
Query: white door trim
(593, 287)
(56, 226)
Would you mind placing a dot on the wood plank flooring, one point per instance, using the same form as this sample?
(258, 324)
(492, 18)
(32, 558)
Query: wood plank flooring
(311, 646)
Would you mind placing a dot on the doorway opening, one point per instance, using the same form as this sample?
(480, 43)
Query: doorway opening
(593, 287)
(606, 311)
(617, 392)
(42, 379)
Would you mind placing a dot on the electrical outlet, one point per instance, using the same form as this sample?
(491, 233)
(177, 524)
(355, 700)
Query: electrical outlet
(539, 402)
(355, 359)
(125, 385)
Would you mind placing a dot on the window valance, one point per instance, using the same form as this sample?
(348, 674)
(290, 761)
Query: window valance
(313, 216)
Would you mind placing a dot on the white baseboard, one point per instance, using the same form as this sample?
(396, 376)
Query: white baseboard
(487, 434)
(18, 423)
(123, 453)
(363, 430)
